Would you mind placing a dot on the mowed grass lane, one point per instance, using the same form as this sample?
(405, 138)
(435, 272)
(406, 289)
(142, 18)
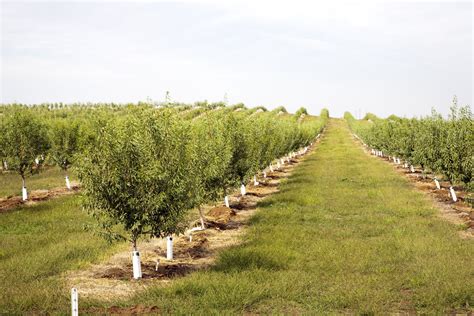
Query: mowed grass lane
(38, 244)
(345, 234)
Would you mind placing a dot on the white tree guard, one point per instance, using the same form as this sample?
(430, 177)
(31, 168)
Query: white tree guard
(453, 194)
(24, 194)
(242, 190)
(68, 183)
(226, 201)
(137, 266)
(169, 248)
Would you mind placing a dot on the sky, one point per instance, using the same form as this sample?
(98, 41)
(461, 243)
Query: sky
(383, 57)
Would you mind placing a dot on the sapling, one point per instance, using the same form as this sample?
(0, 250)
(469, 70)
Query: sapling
(135, 177)
(24, 139)
(64, 136)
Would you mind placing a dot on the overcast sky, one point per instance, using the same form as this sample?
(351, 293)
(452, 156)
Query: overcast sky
(383, 57)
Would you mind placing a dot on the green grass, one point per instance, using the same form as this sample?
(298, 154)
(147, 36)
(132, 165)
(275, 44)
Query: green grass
(345, 234)
(49, 178)
(37, 244)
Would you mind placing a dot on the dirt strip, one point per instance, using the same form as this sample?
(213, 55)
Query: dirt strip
(195, 250)
(12, 202)
(458, 213)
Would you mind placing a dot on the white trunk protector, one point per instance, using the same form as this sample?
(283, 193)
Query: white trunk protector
(453, 194)
(24, 194)
(137, 266)
(169, 248)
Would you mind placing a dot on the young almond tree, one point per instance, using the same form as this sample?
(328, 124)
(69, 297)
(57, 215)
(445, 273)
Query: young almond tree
(135, 177)
(211, 155)
(64, 140)
(23, 141)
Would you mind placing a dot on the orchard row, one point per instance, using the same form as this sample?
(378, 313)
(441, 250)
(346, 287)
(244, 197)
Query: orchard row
(143, 167)
(441, 146)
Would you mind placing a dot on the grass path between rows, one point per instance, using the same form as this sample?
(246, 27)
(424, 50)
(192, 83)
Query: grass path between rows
(345, 234)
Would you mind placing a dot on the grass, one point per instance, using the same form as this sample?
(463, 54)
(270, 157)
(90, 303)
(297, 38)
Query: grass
(345, 234)
(37, 244)
(49, 178)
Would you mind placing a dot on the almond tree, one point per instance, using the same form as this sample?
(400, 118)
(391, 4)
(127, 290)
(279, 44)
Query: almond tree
(64, 141)
(211, 155)
(136, 178)
(24, 140)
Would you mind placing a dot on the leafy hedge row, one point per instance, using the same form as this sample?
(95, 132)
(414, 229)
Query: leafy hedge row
(141, 167)
(442, 146)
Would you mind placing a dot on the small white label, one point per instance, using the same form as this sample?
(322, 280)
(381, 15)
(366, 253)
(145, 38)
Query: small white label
(169, 248)
(437, 184)
(74, 302)
(453, 194)
(137, 267)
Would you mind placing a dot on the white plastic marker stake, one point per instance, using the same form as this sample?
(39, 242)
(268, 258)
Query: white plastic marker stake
(437, 184)
(68, 184)
(453, 194)
(24, 194)
(226, 201)
(74, 302)
(169, 248)
(255, 182)
(137, 266)
(412, 169)
(242, 190)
